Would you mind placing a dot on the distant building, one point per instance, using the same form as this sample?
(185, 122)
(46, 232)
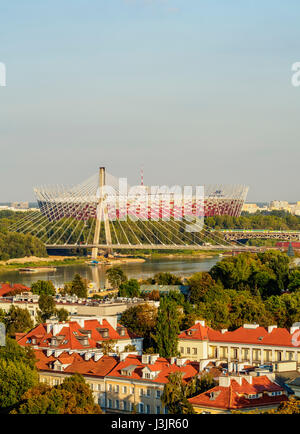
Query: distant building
(73, 305)
(19, 205)
(240, 393)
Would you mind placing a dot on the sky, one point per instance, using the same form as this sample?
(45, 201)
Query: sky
(195, 91)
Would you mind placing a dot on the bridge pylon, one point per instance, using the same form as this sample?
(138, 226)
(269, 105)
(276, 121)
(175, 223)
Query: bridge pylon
(101, 211)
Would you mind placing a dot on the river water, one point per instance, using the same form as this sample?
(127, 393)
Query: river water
(178, 266)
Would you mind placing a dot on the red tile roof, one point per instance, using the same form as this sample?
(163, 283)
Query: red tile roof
(257, 336)
(17, 288)
(235, 396)
(76, 363)
(69, 334)
(162, 365)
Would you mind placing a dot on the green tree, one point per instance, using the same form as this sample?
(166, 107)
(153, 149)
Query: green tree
(47, 307)
(43, 287)
(73, 396)
(130, 288)
(167, 328)
(174, 395)
(62, 314)
(294, 280)
(15, 379)
(78, 287)
(199, 284)
(18, 320)
(108, 346)
(116, 277)
(167, 279)
(141, 320)
(13, 352)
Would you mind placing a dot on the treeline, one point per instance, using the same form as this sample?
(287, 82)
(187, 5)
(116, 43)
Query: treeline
(247, 288)
(273, 220)
(14, 245)
(72, 231)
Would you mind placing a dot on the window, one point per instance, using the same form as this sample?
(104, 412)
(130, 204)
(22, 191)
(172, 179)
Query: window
(181, 350)
(109, 403)
(117, 389)
(124, 405)
(276, 393)
(158, 409)
(158, 394)
(148, 392)
(141, 392)
(124, 390)
(148, 409)
(254, 396)
(110, 388)
(188, 350)
(141, 407)
(117, 404)
(147, 375)
(194, 350)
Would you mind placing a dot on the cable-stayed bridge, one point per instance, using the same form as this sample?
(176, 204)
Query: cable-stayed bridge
(100, 214)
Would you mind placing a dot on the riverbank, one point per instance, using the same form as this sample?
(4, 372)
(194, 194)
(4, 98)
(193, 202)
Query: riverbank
(36, 262)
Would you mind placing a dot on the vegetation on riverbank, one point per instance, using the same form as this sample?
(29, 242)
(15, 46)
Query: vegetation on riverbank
(47, 262)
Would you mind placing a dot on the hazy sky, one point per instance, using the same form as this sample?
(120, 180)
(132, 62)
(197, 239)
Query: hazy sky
(196, 91)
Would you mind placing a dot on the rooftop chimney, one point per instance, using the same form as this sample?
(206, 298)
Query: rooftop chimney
(201, 322)
(250, 326)
(271, 328)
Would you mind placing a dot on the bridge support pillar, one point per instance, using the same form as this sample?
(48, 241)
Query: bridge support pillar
(101, 211)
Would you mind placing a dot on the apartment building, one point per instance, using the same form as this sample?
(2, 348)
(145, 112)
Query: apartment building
(83, 335)
(249, 344)
(240, 393)
(137, 382)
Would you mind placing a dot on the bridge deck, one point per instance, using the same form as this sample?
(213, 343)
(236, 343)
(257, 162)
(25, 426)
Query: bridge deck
(149, 247)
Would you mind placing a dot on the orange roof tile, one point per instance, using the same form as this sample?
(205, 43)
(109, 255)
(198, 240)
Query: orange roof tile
(235, 396)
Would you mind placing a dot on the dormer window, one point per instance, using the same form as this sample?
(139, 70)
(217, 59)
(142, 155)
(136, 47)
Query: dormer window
(253, 396)
(277, 393)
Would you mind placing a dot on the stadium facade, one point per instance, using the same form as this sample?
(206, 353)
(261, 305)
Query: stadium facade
(81, 202)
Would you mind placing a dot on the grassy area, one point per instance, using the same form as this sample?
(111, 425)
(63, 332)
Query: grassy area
(51, 263)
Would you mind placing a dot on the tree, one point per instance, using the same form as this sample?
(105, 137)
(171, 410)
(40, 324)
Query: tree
(174, 395)
(167, 328)
(18, 320)
(13, 352)
(15, 379)
(73, 396)
(167, 279)
(47, 307)
(116, 277)
(43, 287)
(141, 320)
(130, 288)
(108, 346)
(288, 407)
(200, 384)
(62, 314)
(78, 287)
(199, 284)
(294, 280)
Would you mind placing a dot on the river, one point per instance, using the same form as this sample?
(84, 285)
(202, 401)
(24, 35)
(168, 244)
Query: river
(178, 266)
